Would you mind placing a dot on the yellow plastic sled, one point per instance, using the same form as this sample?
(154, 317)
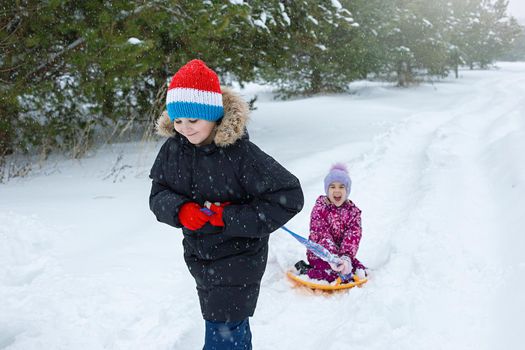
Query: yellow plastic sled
(336, 285)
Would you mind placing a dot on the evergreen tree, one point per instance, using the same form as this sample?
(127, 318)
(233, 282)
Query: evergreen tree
(517, 50)
(318, 55)
(484, 30)
(72, 67)
(412, 40)
(370, 17)
(66, 65)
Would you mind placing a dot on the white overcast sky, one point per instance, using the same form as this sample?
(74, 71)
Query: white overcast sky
(517, 8)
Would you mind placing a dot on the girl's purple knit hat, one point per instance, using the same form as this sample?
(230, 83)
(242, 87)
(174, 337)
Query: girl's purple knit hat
(338, 173)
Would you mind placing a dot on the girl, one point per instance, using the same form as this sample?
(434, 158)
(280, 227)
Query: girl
(335, 223)
(209, 158)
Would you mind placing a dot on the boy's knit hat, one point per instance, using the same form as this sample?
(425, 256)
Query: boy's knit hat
(338, 173)
(195, 92)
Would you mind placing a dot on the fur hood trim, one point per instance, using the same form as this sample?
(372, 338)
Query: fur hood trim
(232, 126)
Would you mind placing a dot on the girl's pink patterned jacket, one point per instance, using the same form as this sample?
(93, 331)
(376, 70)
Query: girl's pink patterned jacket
(338, 229)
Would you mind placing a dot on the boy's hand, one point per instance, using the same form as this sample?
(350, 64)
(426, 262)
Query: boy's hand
(191, 216)
(216, 218)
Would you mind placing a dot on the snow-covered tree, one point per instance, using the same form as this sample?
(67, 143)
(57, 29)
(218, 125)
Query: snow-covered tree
(69, 68)
(482, 31)
(319, 53)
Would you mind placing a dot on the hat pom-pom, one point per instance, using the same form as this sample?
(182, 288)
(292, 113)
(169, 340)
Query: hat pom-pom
(339, 166)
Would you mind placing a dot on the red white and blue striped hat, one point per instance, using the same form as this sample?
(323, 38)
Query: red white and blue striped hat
(195, 92)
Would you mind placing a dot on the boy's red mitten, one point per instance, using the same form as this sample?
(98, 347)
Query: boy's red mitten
(191, 216)
(216, 218)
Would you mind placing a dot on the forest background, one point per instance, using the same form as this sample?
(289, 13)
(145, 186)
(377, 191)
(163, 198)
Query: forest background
(77, 73)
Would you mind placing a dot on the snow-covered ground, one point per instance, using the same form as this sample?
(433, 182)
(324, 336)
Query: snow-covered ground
(438, 171)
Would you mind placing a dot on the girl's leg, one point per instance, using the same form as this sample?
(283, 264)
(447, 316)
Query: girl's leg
(228, 335)
(320, 270)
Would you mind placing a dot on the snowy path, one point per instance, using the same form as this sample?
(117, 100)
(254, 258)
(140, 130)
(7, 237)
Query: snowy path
(445, 223)
(438, 171)
(435, 218)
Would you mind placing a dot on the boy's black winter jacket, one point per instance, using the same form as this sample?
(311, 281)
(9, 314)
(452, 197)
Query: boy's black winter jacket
(227, 263)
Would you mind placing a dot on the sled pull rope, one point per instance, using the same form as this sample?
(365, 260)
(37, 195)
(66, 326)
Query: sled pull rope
(319, 251)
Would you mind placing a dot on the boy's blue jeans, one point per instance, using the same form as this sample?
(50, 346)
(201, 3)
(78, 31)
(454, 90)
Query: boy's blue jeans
(228, 335)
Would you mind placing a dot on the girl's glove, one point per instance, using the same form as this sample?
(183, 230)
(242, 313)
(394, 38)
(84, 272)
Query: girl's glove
(191, 216)
(216, 218)
(344, 267)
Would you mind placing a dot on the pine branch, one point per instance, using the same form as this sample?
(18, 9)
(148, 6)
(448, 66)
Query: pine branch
(53, 58)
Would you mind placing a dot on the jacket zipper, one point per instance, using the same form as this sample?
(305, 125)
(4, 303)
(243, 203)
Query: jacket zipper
(192, 184)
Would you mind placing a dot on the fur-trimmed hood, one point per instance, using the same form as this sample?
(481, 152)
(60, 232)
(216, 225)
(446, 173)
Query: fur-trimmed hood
(232, 126)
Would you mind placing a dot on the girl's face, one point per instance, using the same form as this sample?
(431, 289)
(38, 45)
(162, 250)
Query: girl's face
(337, 193)
(198, 131)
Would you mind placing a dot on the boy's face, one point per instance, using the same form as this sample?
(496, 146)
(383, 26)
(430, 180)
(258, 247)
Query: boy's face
(197, 131)
(337, 193)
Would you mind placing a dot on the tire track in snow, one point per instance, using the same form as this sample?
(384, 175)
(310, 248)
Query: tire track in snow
(483, 265)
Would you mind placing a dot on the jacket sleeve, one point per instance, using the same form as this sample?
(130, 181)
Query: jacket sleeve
(320, 228)
(163, 201)
(276, 196)
(350, 243)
